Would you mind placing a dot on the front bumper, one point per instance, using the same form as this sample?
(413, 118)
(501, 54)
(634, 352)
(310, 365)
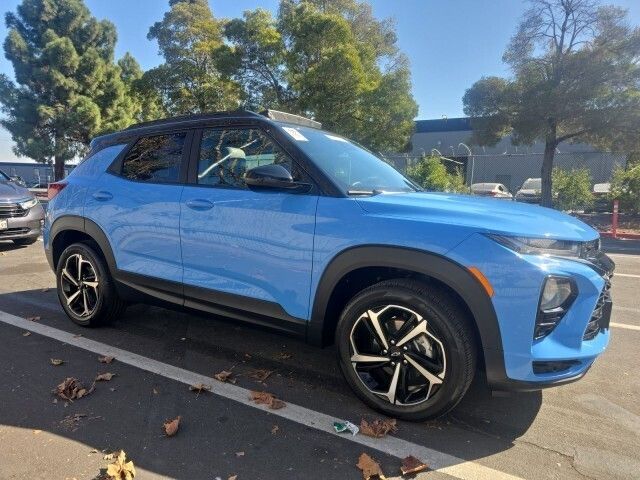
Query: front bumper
(565, 354)
(26, 226)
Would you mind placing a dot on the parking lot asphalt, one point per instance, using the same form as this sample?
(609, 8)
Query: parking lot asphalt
(589, 429)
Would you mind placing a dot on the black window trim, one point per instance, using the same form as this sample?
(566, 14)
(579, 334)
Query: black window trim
(116, 166)
(196, 144)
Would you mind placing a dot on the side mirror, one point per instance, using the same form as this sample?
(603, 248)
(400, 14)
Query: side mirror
(273, 176)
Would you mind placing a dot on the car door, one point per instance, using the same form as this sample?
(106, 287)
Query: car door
(245, 249)
(137, 205)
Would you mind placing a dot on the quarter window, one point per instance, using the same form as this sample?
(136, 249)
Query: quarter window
(155, 159)
(227, 153)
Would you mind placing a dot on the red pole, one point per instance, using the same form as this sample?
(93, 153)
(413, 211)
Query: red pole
(614, 220)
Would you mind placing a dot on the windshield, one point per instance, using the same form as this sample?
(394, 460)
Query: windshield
(355, 170)
(4, 177)
(532, 184)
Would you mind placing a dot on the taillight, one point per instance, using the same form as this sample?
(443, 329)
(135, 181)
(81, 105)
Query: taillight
(54, 189)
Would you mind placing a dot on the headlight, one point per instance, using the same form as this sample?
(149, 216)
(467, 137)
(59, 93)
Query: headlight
(557, 296)
(540, 246)
(27, 204)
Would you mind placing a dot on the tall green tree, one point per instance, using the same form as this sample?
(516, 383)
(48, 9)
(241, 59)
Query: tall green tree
(196, 74)
(147, 104)
(67, 87)
(576, 76)
(330, 59)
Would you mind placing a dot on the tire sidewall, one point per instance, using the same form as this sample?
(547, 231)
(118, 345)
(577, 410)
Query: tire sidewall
(453, 387)
(102, 275)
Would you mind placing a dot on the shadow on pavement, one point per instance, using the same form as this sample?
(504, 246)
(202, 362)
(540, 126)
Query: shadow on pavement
(214, 428)
(628, 247)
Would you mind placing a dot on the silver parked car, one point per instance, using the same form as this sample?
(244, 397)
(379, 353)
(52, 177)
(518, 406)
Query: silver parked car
(531, 191)
(495, 190)
(21, 215)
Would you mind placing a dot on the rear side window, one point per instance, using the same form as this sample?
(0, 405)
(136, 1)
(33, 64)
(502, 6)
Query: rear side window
(155, 159)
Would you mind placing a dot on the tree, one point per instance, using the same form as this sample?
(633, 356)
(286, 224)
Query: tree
(329, 59)
(68, 88)
(147, 104)
(575, 77)
(196, 75)
(625, 186)
(431, 174)
(572, 188)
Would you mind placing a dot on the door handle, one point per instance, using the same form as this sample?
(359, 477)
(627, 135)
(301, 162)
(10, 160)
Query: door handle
(199, 204)
(102, 196)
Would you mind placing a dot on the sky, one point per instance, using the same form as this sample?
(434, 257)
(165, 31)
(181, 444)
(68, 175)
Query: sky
(450, 43)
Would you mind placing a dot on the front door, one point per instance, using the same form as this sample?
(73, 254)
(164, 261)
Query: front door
(247, 249)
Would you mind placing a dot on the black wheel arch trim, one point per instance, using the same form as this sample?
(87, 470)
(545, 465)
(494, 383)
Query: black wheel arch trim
(443, 269)
(83, 225)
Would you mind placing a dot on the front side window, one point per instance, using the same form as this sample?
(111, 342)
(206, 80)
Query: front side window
(155, 159)
(227, 153)
(356, 170)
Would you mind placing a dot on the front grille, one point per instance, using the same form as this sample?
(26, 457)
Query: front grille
(13, 231)
(601, 315)
(11, 210)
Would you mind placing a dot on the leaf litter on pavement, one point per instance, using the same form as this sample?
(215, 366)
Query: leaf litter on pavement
(120, 469)
(369, 467)
(411, 465)
(72, 389)
(225, 376)
(170, 427)
(105, 359)
(105, 377)
(56, 362)
(378, 428)
(268, 399)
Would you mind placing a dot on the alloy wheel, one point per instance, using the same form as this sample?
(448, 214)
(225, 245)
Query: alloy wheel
(79, 283)
(396, 356)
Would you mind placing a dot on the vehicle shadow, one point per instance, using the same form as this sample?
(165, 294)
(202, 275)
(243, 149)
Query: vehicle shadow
(8, 245)
(627, 247)
(483, 424)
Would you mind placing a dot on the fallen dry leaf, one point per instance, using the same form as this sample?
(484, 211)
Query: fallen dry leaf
(200, 387)
(26, 334)
(71, 389)
(155, 392)
(171, 426)
(120, 469)
(71, 422)
(369, 467)
(261, 375)
(239, 454)
(274, 429)
(35, 318)
(224, 376)
(109, 456)
(105, 359)
(105, 377)
(378, 428)
(268, 399)
(56, 361)
(412, 465)
(233, 477)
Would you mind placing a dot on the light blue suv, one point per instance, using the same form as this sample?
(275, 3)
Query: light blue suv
(266, 218)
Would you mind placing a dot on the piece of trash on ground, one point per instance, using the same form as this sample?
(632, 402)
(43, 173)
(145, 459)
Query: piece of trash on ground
(412, 465)
(56, 361)
(369, 467)
(345, 426)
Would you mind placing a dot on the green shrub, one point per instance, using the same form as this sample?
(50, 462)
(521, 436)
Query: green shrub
(572, 189)
(431, 174)
(625, 186)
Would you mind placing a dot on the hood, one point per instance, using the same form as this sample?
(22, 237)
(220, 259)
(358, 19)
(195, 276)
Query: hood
(481, 214)
(10, 192)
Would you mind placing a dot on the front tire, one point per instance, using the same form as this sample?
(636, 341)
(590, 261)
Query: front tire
(406, 349)
(85, 288)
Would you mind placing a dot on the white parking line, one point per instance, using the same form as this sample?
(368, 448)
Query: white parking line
(626, 309)
(442, 462)
(628, 275)
(625, 326)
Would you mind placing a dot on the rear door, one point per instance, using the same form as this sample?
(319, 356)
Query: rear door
(242, 248)
(137, 205)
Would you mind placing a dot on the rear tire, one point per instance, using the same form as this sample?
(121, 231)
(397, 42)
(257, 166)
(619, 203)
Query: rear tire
(406, 349)
(23, 242)
(85, 287)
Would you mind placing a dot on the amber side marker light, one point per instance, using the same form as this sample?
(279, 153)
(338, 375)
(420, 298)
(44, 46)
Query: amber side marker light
(482, 279)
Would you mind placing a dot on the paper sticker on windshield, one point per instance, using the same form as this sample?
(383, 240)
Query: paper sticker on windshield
(337, 139)
(295, 134)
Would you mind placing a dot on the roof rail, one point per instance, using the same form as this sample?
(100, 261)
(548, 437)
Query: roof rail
(193, 117)
(290, 118)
